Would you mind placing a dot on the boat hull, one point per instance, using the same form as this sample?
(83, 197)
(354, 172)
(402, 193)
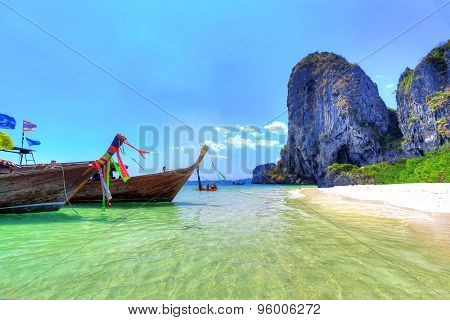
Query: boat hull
(158, 187)
(41, 188)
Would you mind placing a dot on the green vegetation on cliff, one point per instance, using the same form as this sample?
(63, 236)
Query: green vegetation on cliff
(437, 57)
(438, 100)
(276, 174)
(405, 83)
(443, 126)
(433, 167)
(393, 137)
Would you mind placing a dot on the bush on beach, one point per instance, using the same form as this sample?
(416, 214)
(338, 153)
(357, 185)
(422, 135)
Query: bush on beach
(433, 167)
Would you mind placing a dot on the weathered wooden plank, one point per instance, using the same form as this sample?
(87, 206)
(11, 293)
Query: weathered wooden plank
(158, 187)
(42, 187)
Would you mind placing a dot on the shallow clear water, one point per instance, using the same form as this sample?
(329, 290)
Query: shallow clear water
(243, 242)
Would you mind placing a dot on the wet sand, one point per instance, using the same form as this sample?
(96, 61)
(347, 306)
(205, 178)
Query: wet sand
(422, 205)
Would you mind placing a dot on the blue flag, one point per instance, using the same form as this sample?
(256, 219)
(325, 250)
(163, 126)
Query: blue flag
(33, 142)
(7, 122)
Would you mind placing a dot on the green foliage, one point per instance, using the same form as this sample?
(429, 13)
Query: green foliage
(342, 167)
(407, 81)
(437, 57)
(343, 104)
(391, 144)
(442, 126)
(393, 137)
(275, 175)
(437, 100)
(413, 118)
(433, 167)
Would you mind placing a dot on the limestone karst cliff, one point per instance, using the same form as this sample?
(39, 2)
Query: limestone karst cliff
(423, 102)
(261, 174)
(337, 116)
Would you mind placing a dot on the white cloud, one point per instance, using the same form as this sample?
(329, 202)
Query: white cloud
(252, 130)
(256, 134)
(214, 145)
(238, 142)
(378, 76)
(245, 128)
(267, 143)
(390, 85)
(277, 127)
(222, 129)
(183, 148)
(218, 156)
(177, 148)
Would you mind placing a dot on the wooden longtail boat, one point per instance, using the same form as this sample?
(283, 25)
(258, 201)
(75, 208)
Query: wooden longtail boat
(158, 187)
(41, 187)
(37, 188)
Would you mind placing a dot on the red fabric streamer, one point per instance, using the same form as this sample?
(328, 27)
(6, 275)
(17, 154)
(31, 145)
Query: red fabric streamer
(113, 148)
(7, 163)
(141, 152)
(123, 169)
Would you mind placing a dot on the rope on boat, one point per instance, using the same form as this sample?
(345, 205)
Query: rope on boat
(221, 177)
(65, 189)
(65, 192)
(123, 151)
(219, 174)
(209, 180)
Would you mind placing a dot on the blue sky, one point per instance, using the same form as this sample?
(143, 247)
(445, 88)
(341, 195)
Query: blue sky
(221, 63)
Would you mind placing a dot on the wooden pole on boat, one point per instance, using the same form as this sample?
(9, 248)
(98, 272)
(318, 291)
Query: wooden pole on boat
(23, 138)
(23, 134)
(199, 181)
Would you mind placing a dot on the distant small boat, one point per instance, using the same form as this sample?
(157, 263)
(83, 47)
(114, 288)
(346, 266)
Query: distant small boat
(208, 189)
(200, 186)
(158, 187)
(40, 188)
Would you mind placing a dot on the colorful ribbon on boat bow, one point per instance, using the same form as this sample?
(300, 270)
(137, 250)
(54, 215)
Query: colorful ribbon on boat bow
(113, 148)
(141, 152)
(8, 164)
(103, 165)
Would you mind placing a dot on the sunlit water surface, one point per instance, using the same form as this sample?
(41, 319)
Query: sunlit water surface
(243, 242)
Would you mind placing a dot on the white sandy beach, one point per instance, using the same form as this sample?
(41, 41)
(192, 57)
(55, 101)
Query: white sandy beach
(424, 197)
(427, 204)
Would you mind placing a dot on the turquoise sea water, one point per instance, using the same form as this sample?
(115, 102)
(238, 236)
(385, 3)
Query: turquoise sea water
(243, 242)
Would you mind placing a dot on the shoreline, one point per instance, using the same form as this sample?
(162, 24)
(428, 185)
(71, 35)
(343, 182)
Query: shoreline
(424, 197)
(418, 197)
(424, 205)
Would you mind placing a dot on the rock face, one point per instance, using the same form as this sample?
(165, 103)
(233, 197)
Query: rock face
(423, 105)
(335, 115)
(261, 173)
